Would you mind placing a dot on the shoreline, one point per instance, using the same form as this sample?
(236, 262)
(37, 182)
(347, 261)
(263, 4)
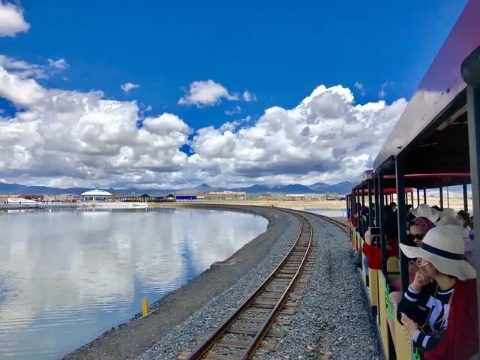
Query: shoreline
(295, 204)
(337, 205)
(319, 324)
(132, 338)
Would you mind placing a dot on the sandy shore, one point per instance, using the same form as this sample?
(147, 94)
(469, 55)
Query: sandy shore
(455, 203)
(131, 339)
(326, 205)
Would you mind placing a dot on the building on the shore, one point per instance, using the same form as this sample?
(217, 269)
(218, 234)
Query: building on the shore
(64, 198)
(18, 200)
(185, 197)
(141, 198)
(97, 195)
(157, 199)
(169, 198)
(38, 198)
(295, 197)
(226, 195)
(33, 197)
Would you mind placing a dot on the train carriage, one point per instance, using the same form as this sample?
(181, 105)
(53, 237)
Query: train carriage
(377, 281)
(435, 144)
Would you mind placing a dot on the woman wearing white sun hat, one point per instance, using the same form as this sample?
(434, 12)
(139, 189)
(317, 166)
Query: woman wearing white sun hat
(448, 211)
(448, 219)
(423, 210)
(442, 293)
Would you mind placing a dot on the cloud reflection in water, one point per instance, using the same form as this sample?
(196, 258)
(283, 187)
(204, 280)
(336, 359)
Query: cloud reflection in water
(66, 277)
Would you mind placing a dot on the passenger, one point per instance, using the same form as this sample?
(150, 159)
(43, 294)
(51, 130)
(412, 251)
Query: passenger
(423, 210)
(438, 311)
(393, 206)
(464, 216)
(438, 209)
(410, 216)
(355, 216)
(417, 229)
(448, 219)
(449, 212)
(362, 221)
(390, 210)
(373, 253)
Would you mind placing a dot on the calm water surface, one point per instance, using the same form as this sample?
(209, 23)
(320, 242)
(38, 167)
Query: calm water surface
(66, 276)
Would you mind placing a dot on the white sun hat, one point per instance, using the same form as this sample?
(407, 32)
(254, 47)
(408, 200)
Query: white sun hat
(448, 211)
(448, 219)
(423, 210)
(444, 248)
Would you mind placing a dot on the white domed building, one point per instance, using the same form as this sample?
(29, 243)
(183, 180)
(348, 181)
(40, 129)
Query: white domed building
(98, 198)
(96, 195)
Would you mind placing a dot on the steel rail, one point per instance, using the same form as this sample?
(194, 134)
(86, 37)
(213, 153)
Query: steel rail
(334, 222)
(203, 349)
(337, 223)
(256, 342)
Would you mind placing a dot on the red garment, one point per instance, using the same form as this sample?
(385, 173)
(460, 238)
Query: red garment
(460, 340)
(355, 220)
(374, 254)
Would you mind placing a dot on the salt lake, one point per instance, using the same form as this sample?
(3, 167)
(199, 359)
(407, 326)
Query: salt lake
(68, 276)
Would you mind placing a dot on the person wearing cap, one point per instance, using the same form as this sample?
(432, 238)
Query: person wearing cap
(439, 309)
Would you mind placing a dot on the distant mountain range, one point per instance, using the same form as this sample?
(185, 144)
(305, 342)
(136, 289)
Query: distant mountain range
(317, 188)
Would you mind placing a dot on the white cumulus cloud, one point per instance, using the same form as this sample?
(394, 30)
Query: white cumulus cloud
(129, 86)
(325, 138)
(11, 20)
(206, 93)
(360, 87)
(382, 93)
(70, 138)
(248, 96)
(25, 70)
(60, 64)
(236, 110)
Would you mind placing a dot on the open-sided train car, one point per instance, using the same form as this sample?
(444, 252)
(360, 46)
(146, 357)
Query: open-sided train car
(377, 280)
(359, 209)
(435, 144)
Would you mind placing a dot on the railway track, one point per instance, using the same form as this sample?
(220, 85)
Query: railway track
(334, 222)
(261, 321)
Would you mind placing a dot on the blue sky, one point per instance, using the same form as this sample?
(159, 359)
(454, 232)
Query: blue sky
(278, 50)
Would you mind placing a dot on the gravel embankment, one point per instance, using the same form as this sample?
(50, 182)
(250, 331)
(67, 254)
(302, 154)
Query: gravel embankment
(182, 338)
(332, 320)
(129, 340)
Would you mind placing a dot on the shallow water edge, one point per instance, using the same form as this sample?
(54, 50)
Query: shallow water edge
(132, 338)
